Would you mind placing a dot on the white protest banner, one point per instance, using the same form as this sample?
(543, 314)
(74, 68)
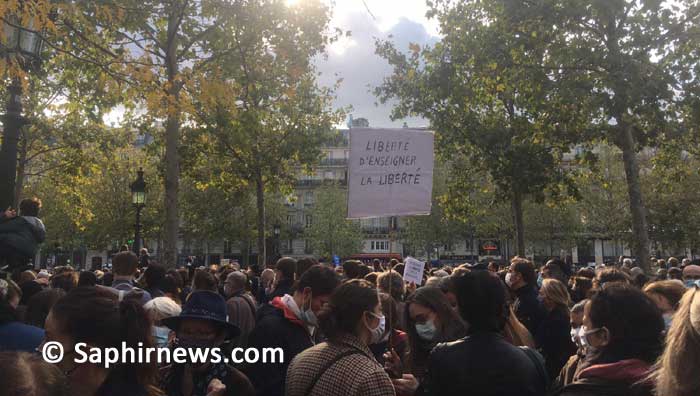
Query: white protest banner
(413, 270)
(390, 172)
(225, 262)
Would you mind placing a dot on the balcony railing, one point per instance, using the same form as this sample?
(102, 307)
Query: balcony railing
(333, 162)
(376, 230)
(320, 182)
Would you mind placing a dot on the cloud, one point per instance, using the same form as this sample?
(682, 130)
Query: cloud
(353, 59)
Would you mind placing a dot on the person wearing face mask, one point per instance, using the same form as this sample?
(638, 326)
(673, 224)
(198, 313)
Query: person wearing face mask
(483, 362)
(241, 306)
(158, 309)
(666, 295)
(567, 373)
(202, 324)
(553, 336)
(430, 320)
(522, 282)
(393, 341)
(623, 333)
(691, 274)
(344, 365)
(289, 322)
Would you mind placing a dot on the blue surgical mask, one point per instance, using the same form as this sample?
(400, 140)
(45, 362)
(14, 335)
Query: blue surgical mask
(668, 318)
(540, 279)
(160, 336)
(426, 331)
(308, 316)
(691, 282)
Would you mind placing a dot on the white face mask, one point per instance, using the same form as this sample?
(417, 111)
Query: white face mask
(575, 335)
(378, 332)
(509, 279)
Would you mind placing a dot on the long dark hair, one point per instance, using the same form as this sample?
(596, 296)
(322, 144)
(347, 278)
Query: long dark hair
(451, 326)
(346, 306)
(94, 316)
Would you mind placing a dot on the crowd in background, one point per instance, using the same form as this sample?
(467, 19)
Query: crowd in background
(360, 329)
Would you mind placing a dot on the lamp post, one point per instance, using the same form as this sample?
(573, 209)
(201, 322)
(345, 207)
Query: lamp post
(138, 199)
(21, 44)
(276, 231)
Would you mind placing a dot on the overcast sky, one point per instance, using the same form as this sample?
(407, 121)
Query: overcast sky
(353, 58)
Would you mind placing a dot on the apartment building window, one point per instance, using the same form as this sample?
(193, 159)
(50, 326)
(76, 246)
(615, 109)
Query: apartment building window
(290, 220)
(308, 198)
(309, 221)
(379, 245)
(227, 246)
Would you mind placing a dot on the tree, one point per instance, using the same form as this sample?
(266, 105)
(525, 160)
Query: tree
(603, 208)
(90, 206)
(628, 63)
(435, 230)
(330, 232)
(674, 211)
(268, 118)
(488, 109)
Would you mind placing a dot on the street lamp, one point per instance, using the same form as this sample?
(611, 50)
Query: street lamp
(21, 44)
(276, 231)
(138, 199)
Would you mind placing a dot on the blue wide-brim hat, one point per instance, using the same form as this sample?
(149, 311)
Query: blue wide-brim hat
(204, 305)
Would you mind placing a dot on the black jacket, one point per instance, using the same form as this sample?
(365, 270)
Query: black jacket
(482, 364)
(528, 308)
(553, 339)
(23, 233)
(283, 287)
(604, 387)
(276, 327)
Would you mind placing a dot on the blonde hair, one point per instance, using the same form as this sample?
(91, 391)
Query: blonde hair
(556, 292)
(671, 290)
(676, 370)
(516, 333)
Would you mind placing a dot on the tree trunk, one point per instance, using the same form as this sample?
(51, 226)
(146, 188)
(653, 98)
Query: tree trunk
(21, 169)
(8, 152)
(517, 207)
(260, 202)
(172, 140)
(640, 239)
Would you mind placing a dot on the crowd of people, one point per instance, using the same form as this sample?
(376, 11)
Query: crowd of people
(358, 329)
